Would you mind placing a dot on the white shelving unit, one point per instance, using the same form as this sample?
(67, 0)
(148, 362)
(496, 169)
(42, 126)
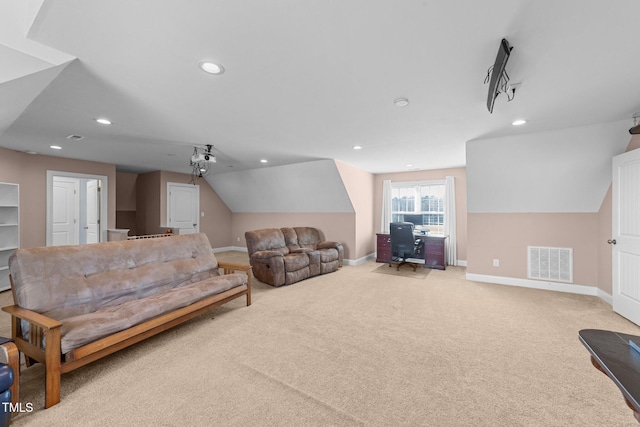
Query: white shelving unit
(9, 228)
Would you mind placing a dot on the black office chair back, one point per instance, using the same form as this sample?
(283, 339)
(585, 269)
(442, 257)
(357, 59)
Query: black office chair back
(403, 241)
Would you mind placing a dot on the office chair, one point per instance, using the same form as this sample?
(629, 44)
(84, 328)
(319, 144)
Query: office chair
(403, 244)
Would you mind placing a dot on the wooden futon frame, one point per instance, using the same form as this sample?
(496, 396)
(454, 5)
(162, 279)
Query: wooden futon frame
(43, 329)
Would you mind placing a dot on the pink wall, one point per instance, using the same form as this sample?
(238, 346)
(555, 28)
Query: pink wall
(335, 226)
(126, 191)
(147, 194)
(30, 171)
(605, 222)
(216, 223)
(148, 207)
(505, 236)
(460, 178)
(360, 187)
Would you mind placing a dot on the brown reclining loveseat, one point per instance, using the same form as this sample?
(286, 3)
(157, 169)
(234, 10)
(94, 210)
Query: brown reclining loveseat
(282, 256)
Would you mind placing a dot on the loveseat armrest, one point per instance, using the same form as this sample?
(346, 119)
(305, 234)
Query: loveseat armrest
(333, 245)
(266, 254)
(268, 267)
(329, 244)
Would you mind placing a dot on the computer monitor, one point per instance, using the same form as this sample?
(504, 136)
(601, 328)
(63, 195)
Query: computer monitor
(416, 220)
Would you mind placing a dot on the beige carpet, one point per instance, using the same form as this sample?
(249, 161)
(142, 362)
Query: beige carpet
(404, 271)
(355, 348)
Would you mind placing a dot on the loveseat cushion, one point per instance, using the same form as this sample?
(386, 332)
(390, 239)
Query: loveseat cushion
(268, 239)
(297, 261)
(307, 237)
(328, 255)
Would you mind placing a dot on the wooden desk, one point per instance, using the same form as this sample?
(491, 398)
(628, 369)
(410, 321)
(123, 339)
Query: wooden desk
(434, 250)
(612, 355)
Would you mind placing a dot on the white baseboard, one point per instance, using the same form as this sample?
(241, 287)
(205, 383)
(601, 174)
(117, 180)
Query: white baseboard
(462, 262)
(539, 284)
(359, 261)
(229, 248)
(605, 296)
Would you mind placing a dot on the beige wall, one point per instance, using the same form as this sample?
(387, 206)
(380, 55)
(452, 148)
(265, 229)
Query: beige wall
(604, 249)
(460, 179)
(126, 191)
(505, 236)
(360, 187)
(216, 223)
(126, 202)
(147, 194)
(30, 171)
(605, 221)
(335, 226)
(148, 209)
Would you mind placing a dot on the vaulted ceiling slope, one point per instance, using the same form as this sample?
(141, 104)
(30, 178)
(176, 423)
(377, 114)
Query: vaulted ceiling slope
(305, 80)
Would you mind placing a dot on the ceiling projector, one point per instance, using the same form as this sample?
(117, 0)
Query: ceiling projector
(203, 157)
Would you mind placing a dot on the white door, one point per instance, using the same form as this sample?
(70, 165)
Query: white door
(92, 210)
(66, 209)
(183, 206)
(626, 235)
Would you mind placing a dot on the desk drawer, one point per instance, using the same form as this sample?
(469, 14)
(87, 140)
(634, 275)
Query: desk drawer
(383, 248)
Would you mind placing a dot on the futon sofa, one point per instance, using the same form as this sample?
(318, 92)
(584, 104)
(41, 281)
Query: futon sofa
(76, 304)
(282, 256)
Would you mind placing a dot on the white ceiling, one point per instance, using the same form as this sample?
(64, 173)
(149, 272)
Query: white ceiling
(306, 80)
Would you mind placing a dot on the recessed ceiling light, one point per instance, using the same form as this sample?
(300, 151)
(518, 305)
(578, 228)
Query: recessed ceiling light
(75, 137)
(55, 147)
(409, 166)
(103, 121)
(210, 67)
(263, 161)
(401, 102)
(519, 122)
(357, 147)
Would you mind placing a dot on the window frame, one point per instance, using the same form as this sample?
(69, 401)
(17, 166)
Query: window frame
(416, 187)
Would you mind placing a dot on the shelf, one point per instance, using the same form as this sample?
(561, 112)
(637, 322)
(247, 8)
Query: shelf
(4, 280)
(9, 228)
(9, 194)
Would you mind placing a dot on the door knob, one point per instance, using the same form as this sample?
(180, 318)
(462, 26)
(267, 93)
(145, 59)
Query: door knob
(612, 242)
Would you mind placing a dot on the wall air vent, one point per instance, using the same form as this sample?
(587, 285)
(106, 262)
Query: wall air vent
(75, 137)
(546, 263)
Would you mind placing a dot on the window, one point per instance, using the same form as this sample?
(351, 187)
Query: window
(421, 203)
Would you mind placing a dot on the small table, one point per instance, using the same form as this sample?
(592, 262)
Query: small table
(612, 355)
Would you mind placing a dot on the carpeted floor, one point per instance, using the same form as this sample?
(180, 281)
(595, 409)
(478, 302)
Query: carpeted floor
(350, 348)
(403, 271)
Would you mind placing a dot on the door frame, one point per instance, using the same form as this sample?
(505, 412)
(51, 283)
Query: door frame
(74, 229)
(627, 244)
(104, 198)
